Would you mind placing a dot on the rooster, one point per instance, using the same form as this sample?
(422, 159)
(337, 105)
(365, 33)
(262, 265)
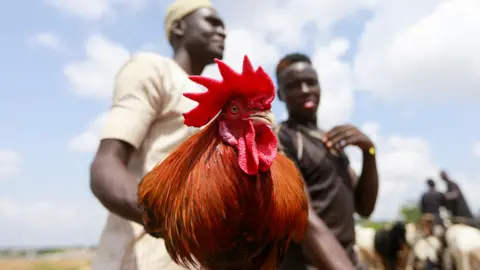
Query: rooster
(225, 199)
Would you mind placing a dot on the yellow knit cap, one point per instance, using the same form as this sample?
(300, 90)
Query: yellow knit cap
(179, 9)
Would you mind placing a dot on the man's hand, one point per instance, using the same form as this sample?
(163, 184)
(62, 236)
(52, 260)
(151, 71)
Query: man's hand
(341, 136)
(366, 188)
(452, 195)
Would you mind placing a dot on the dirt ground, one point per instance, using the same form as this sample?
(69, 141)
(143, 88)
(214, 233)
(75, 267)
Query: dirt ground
(24, 264)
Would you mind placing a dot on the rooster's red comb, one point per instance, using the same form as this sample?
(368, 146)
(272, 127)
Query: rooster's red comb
(250, 83)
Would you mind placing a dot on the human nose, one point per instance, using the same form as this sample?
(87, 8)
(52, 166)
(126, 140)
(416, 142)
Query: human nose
(304, 88)
(220, 30)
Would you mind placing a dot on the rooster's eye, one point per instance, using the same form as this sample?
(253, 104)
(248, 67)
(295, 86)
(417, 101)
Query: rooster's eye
(234, 109)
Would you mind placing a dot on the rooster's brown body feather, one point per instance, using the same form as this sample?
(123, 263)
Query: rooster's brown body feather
(214, 214)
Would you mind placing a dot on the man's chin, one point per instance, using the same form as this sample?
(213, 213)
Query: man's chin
(213, 56)
(216, 53)
(309, 113)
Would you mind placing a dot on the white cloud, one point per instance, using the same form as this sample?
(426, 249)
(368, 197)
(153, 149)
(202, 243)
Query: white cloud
(10, 162)
(88, 140)
(50, 223)
(337, 101)
(46, 39)
(93, 9)
(287, 19)
(94, 76)
(429, 51)
(149, 47)
(403, 163)
(476, 149)
(258, 50)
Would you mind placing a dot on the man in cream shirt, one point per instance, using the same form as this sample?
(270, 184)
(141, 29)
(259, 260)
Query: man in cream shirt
(143, 126)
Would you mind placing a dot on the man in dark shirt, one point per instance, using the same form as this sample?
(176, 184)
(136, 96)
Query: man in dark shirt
(431, 201)
(456, 203)
(335, 191)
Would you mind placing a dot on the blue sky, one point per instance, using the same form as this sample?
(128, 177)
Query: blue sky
(404, 96)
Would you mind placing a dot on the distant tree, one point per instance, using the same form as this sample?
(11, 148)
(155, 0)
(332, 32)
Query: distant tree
(364, 222)
(376, 225)
(410, 212)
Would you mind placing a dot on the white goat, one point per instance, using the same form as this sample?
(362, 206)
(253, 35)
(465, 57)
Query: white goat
(461, 240)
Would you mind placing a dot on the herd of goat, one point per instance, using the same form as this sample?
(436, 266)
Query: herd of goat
(420, 246)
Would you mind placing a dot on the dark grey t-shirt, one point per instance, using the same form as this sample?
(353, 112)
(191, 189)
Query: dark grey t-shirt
(431, 202)
(459, 207)
(329, 184)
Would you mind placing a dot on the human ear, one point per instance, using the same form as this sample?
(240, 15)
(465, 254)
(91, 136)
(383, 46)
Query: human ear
(178, 28)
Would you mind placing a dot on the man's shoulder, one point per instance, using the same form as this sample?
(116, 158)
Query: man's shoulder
(150, 57)
(153, 69)
(428, 193)
(283, 131)
(147, 63)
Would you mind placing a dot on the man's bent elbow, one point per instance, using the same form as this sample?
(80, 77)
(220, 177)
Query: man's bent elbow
(97, 181)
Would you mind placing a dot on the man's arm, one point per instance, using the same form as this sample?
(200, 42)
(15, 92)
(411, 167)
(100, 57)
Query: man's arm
(324, 249)
(366, 186)
(453, 194)
(110, 181)
(136, 103)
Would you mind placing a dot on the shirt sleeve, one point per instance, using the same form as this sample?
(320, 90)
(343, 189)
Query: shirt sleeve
(136, 102)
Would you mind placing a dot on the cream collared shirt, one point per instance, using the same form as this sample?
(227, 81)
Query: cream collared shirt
(147, 113)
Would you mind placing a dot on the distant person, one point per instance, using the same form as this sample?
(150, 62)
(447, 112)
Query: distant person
(143, 126)
(431, 201)
(456, 203)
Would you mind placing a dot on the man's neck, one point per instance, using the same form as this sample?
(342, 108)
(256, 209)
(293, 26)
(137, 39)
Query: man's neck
(307, 122)
(185, 61)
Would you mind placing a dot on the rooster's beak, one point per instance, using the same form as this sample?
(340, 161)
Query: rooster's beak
(262, 117)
